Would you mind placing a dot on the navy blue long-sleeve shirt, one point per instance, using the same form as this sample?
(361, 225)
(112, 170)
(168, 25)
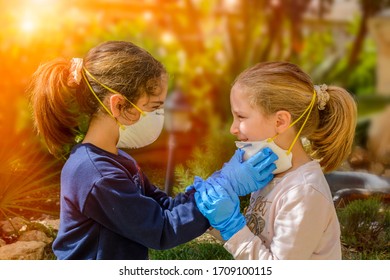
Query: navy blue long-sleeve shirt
(110, 210)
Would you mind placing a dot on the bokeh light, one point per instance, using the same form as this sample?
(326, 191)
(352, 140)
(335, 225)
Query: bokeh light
(28, 25)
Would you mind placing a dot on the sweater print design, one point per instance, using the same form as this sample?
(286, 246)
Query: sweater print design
(255, 213)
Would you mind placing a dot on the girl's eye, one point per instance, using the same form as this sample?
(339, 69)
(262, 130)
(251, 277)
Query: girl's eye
(155, 107)
(151, 109)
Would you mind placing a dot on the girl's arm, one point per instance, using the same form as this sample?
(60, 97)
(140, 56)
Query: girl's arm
(120, 205)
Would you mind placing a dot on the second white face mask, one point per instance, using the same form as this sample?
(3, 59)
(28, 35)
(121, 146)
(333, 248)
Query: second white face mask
(144, 132)
(284, 161)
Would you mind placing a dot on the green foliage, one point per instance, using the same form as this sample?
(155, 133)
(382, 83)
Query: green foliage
(365, 229)
(217, 148)
(319, 54)
(359, 79)
(29, 181)
(369, 105)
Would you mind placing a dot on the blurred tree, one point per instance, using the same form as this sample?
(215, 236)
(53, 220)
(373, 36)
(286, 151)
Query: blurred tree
(356, 69)
(369, 8)
(283, 13)
(219, 39)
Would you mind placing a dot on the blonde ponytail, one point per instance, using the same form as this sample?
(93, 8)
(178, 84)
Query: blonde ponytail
(332, 141)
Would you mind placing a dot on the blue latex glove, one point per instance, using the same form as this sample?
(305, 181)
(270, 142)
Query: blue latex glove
(220, 205)
(246, 177)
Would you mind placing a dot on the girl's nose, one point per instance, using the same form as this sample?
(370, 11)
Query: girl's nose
(234, 128)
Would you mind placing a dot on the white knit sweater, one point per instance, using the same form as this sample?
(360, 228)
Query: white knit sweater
(292, 218)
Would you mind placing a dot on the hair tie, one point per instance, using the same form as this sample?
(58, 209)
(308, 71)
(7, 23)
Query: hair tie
(76, 66)
(322, 95)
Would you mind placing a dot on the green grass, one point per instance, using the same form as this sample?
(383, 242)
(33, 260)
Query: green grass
(204, 247)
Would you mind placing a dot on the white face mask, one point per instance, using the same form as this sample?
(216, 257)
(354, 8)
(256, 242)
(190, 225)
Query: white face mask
(284, 161)
(144, 132)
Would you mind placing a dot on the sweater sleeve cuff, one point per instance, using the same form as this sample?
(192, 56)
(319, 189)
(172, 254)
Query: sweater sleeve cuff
(239, 241)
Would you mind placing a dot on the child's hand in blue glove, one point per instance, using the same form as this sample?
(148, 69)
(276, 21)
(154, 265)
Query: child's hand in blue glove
(220, 205)
(251, 175)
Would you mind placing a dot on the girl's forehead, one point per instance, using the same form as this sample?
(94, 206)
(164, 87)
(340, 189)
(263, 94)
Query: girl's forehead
(239, 96)
(242, 90)
(238, 92)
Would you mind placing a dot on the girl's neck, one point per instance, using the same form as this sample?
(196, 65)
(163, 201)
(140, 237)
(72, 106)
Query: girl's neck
(103, 132)
(299, 158)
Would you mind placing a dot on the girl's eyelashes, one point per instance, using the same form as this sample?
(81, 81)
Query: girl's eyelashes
(154, 108)
(239, 116)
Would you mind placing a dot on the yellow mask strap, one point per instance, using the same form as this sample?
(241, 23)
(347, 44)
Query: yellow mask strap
(109, 89)
(308, 111)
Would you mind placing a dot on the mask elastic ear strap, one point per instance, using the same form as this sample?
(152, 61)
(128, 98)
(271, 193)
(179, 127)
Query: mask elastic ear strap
(309, 108)
(98, 99)
(294, 122)
(114, 91)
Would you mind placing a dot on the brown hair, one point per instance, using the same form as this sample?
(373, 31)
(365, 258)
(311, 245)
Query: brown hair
(57, 106)
(274, 86)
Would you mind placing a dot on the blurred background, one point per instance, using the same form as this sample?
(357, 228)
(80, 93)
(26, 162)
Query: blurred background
(204, 45)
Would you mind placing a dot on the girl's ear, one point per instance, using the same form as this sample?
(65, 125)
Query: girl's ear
(116, 104)
(283, 120)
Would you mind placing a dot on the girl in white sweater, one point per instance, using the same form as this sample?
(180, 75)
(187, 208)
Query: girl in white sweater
(275, 104)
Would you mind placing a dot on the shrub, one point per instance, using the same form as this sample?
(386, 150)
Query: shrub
(365, 229)
(216, 149)
(29, 179)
